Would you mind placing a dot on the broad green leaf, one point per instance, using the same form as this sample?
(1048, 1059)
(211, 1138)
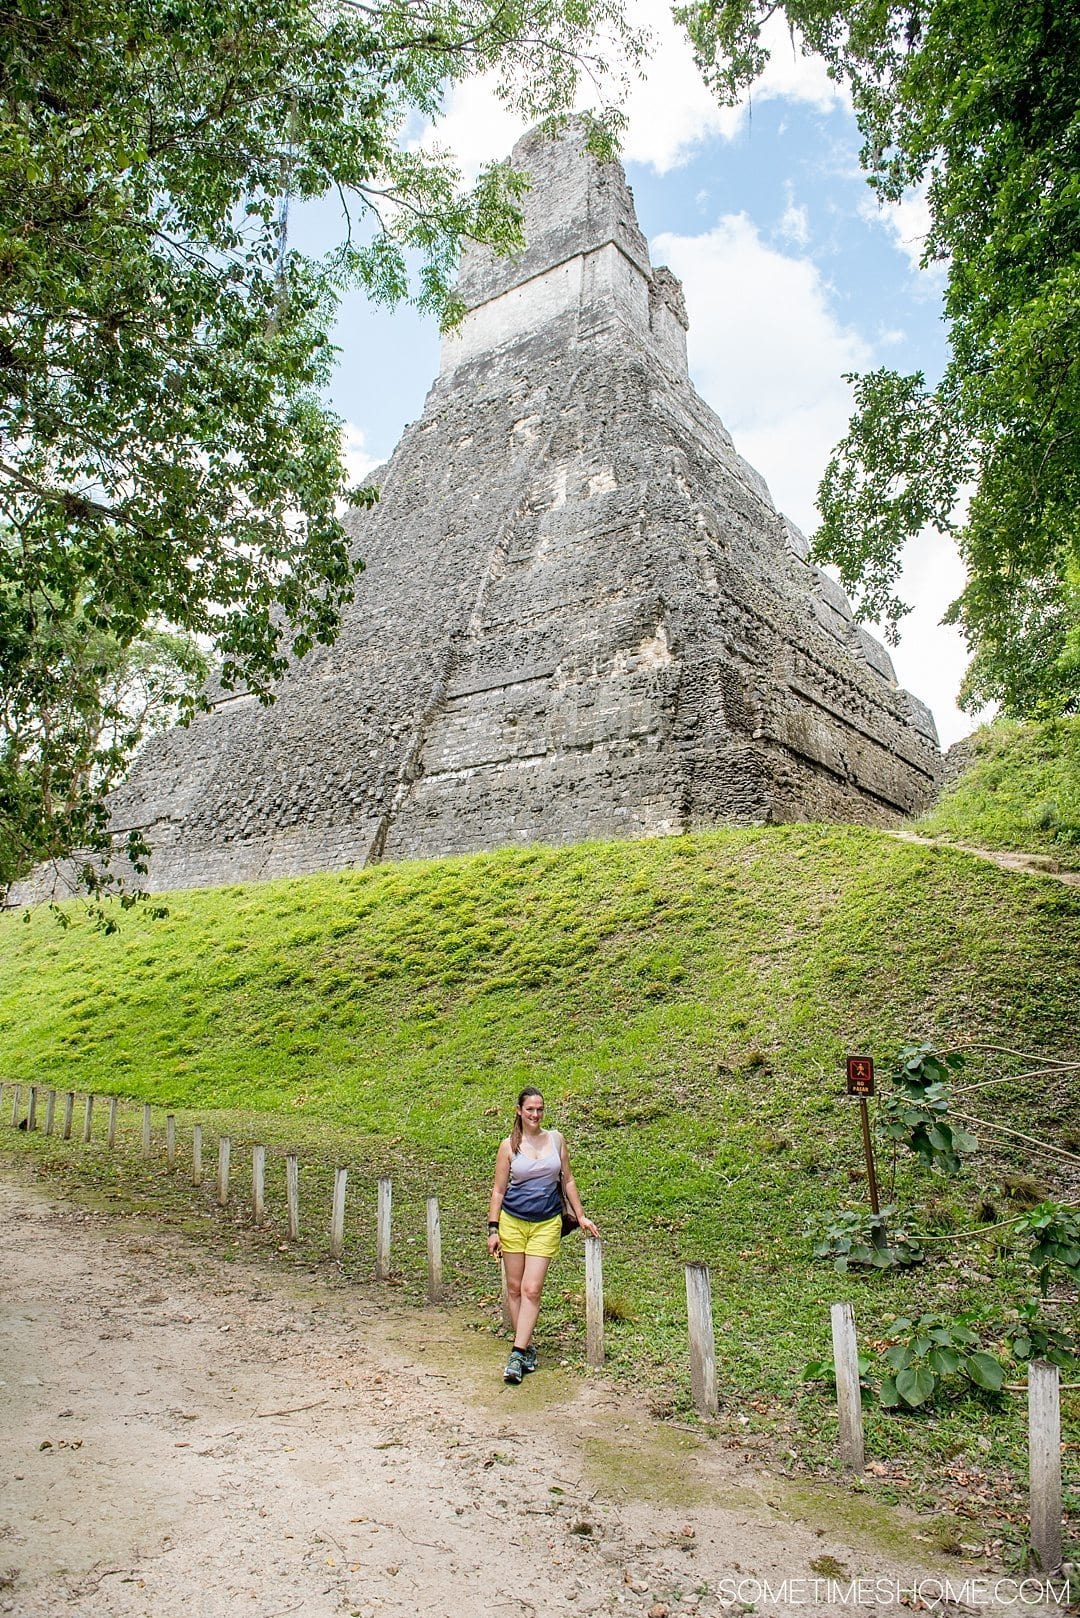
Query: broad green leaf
(916, 1384)
(985, 1371)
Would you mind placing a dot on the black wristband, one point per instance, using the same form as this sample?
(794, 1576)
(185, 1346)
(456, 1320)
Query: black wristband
(493, 1224)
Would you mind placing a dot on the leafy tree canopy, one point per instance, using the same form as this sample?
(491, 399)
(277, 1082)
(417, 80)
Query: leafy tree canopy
(978, 101)
(164, 457)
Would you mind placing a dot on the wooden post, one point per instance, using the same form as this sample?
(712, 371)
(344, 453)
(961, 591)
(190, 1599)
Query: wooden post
(258, 1184)
(868, 1153)
(382, 1238)
(292, 1193)
(114, 1107)
(16, 1097)
(69, 1113)
(170, 1143)
(31, 1110)
(848, 1394)
(88, 1119)
(594, 1301)
(434, 1251)
(50, 1111)
(1044, 1462)
(702, 1339)
(146, 1129)
(223, 1150)
(337, 1214)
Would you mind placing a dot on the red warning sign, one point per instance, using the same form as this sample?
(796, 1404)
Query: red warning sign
(860, 1075)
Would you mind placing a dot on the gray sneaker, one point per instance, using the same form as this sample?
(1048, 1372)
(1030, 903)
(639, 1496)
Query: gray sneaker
(516, 1366)
(529, 1356)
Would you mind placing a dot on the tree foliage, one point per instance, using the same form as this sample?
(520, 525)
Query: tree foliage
(164, 455)
(979, 102)
(81, 706)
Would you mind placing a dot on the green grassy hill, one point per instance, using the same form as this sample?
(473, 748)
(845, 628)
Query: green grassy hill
(1019, 790)
(685, 1004)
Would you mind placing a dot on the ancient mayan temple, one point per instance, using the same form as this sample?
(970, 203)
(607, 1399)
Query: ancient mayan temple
(581, 615)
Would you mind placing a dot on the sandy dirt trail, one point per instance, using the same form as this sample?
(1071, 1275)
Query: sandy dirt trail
(187, 1436)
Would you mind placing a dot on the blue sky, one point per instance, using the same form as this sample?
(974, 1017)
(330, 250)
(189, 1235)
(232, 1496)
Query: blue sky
(792, 274)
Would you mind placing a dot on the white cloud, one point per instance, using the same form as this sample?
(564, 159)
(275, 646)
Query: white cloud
(358, 459)
(931, 657)
(907, 222)
(476, 127)
(670, 111)
(794, 223)
(768, 353)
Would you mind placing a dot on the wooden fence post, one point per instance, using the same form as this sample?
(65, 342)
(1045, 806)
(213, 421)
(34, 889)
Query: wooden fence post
(337, 1214)
(434, 1251)
(292, 1193)
(594, 1301)
(16, 1097)
(1044, 1462)
(146, 1133)
(196, 1155)
(69, 1113)
(88, 1118)
(702, 1339)
(258, 1184)
(31, 1109)
(170, 1142)
(114, 1107)
(224, 1148)
(50, 1111)
(382, 1236)
(848, 1394)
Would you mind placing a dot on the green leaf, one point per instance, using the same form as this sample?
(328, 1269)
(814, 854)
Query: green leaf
(889, 1396)
(916, 1384)
(985, 1371)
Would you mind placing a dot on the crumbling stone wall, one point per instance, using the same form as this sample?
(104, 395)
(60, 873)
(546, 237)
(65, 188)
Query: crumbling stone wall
(581, 615)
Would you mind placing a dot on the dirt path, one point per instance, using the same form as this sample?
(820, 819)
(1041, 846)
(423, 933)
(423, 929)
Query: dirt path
(1006, 859)
(187, 1436)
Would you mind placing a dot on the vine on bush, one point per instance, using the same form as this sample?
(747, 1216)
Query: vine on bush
(1055, 1241)
(857, 1239)
(916, 1116)
(929, 1349)
(1033, 1339)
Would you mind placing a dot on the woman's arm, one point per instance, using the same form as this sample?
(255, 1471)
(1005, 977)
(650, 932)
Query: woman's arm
(571, 1193)
(498, 1192)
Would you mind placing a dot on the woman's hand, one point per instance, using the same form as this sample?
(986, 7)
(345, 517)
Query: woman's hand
(493, 1246)
(588, 1227)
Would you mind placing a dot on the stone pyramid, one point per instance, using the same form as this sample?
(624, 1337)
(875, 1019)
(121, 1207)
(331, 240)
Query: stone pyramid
(581, 615)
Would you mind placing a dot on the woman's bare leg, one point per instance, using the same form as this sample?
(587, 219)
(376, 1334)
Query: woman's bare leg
(530, 1291)
(514, 1266)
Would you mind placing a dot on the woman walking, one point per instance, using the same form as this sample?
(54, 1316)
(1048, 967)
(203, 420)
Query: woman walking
(525, 1219)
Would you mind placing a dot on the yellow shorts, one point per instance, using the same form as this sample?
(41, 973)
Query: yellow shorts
(535, 1238)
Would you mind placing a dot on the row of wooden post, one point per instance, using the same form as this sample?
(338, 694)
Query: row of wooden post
(1044, 1433)
(258, 1176)
(1043, 1379)
(594, 1280)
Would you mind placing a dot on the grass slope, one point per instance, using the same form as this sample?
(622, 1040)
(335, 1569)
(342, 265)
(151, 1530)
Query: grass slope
(1021, 791)
(685, 1004)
